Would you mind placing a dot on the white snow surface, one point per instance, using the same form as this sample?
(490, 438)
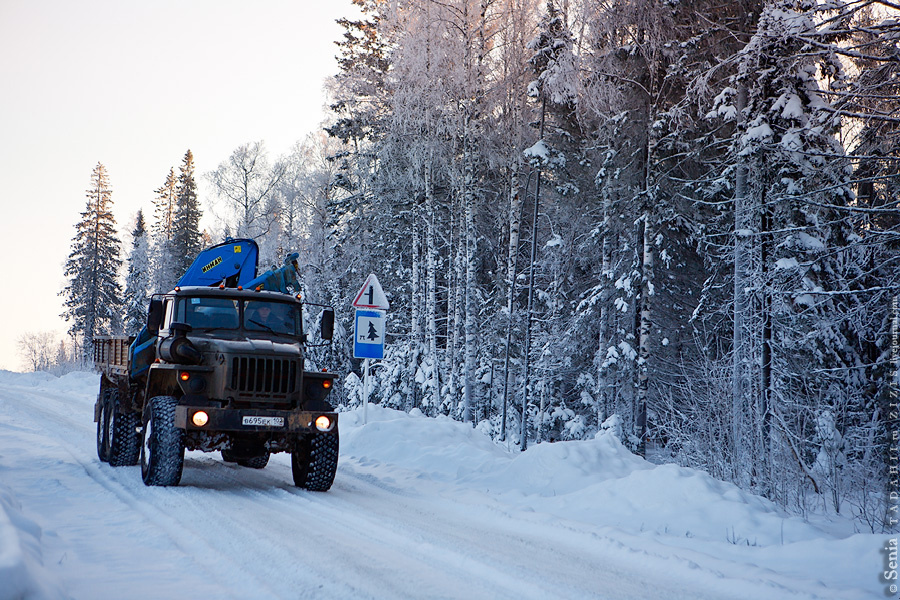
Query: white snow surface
(421, 508)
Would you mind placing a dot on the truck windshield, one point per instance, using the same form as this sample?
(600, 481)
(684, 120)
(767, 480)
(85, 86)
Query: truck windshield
(208, 313)
(274, 317)
(224, 313)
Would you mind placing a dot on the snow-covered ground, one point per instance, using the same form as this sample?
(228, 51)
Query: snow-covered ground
(421, 508)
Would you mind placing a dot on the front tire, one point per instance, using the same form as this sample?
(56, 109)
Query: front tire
(314, 461)
(162, 450)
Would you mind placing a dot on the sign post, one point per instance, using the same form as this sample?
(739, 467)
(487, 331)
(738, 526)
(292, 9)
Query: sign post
(369, 330)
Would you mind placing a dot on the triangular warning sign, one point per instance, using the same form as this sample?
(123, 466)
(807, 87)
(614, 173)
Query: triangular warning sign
(371, 295)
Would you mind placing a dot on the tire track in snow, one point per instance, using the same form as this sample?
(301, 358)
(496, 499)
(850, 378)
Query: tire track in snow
(427, 540)
(125, 484)
(367, 546)
(175, 512)
(473, 554)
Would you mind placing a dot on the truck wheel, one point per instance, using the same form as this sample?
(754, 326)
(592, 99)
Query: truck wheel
(257, 462)
(103, 432)
(124, 440)
(314, 461)
(227, 456)
(162, 451)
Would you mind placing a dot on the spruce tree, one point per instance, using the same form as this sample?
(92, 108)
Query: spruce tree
(162, 276)
(165, 203)
(93, 297)
(137, 282)
(186, 238)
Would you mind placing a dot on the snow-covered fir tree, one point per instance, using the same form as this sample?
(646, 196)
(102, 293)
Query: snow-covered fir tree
(137, 279)
(93, 297)
(186, 238)
(162, 271)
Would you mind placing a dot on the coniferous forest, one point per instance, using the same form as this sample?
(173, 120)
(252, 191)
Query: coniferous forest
(676, 220)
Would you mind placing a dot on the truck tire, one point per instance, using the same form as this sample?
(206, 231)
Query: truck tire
(257, 462)
(103, 431)
(314, 461)
(162, 450)
(227, 456)
(124, 440)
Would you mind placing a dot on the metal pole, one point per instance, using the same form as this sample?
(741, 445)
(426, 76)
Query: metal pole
(365, 391)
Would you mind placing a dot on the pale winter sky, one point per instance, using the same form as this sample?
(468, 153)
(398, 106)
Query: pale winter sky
(134, 85)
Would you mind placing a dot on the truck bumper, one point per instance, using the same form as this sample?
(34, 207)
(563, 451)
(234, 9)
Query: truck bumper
(254, 420)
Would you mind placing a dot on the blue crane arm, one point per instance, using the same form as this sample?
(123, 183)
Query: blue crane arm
(283, 279)
(232, 263)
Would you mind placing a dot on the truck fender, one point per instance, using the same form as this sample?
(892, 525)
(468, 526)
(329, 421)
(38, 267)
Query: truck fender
(161, 382)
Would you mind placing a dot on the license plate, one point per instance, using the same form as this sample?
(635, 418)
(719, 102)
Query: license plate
(264, 421)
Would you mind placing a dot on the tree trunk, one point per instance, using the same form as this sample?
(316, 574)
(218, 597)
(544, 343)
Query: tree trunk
(741, 346)
(645, 331)
(763, 418)
(453, 310)
(603, 387)
(416, 296)
(515, 218)
(469, 295)
(431, 291)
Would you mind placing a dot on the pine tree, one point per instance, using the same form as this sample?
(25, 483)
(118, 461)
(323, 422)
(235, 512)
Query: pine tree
(187, 240)
(165, 203)
(162, 272)
(93, 297)
(137, 282)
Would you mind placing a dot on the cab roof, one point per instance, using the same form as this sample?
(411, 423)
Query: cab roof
(216, 292)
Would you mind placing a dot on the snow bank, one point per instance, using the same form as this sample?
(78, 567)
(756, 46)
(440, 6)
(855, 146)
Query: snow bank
(599, 483)
(80, 382)
(22, 573)
(442, 449)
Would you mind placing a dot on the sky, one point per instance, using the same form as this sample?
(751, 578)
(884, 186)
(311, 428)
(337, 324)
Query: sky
(134, 85)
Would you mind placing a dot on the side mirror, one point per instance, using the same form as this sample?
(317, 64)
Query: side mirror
(154, 316)
(327, 325)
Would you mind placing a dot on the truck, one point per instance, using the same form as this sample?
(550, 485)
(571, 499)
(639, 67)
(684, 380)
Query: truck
(219, 366)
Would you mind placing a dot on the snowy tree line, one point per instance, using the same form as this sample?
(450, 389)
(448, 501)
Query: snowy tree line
(674, 220)
(678, 214)
(96, 303)
(276, 203)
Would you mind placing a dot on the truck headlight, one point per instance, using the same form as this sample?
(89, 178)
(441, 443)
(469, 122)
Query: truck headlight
(200, 418)
(323, 423)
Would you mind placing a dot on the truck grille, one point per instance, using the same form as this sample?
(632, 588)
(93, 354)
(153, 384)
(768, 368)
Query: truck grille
(268, 377)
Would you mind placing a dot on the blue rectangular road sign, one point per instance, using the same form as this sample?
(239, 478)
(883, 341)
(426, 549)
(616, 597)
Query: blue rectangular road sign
(368, 334)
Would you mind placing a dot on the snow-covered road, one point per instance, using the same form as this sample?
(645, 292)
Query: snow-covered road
(421, 508)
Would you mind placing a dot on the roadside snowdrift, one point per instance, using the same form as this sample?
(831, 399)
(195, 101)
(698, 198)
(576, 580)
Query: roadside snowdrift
(600, 482)
(23, 575)
(597, 480)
